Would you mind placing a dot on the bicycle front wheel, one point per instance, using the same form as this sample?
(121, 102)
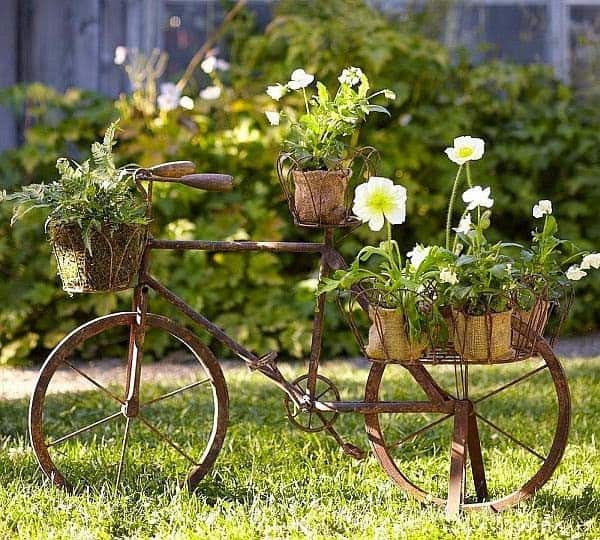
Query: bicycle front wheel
(510, 442)
(79, 432)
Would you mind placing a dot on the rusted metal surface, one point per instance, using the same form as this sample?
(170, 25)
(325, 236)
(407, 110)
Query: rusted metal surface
(476, 459)
(225, 247)
(312, 401)
(458, 457)
(546, 462)
(63, 353)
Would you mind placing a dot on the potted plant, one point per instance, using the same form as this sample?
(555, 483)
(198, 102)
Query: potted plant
(314, 167)
(96, 219)
(479, 296)
(400, 294)
(545, 271)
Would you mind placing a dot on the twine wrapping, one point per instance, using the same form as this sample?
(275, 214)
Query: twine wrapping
(388, 339)
(483, 337)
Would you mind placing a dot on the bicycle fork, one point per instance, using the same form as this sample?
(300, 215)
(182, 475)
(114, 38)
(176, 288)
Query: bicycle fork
(137, 333)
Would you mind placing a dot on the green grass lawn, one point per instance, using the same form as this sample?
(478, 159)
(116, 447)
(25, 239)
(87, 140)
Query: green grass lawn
(272, 481)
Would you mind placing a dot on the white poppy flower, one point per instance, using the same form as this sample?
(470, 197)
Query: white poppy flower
(210, 92)
(464, 225)
(448, 276)
(277, 91)
(542, 208)
(380, 199)
(211, 62)
(120, 55)
(466, 149)
(574, 273)
(591, 261)
(477, 196)
(300, 79)
(273, 117)
(187, 103)
(418, 254)
(169, 97)
(350, 76)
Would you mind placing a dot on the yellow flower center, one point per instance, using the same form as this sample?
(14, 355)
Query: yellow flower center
(381, 201)
(464, 152)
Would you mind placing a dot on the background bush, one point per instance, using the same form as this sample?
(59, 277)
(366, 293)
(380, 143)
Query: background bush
(541, 143)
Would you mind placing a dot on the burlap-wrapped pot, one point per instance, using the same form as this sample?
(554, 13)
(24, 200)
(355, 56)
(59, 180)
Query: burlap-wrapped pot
(388, 339)
(112, 264)
(483, 338)
(320, 197)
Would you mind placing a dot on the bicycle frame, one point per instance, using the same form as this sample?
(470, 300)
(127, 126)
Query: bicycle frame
(330, 260)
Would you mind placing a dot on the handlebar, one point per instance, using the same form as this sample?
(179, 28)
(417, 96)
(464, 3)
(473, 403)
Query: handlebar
(206, 181)
(183, 172)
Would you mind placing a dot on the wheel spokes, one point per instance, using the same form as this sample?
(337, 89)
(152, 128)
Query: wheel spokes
(83, 429)
(162, 436)
(419, 431)
(511, 437)
(508, 385)
(93, 381)
(174, 392)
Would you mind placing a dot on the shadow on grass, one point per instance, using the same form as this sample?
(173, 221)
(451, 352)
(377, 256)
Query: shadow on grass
(257, 411)
(577, 509)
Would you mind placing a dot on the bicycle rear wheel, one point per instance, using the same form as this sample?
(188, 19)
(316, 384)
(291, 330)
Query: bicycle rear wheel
(79, 432)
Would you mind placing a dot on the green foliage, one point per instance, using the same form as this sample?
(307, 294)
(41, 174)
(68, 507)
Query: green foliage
(90, 194)
(274, 481)
(542, 143)
(317, 139)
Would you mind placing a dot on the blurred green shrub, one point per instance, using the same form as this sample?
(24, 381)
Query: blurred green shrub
(541, 143)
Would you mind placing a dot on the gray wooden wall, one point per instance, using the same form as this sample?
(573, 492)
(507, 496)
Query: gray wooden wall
(66, 43)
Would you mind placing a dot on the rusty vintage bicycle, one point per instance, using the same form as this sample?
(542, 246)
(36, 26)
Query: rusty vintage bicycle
(449, 445)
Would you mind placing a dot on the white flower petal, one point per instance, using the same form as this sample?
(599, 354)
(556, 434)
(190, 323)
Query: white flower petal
(466, 148)
(276, 91)
(396, 216)
(210, 92)
(273, 117)
(591, 261)
(574, 273)
(376, 222)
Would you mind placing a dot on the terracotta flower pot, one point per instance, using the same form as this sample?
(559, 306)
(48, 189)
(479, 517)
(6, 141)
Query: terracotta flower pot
(388, 339)
(483, 338)
(320, 196)
(113, 263)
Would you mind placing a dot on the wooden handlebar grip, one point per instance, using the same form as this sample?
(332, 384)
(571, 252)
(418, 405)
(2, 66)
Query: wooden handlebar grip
(173, 169)
(208, 181)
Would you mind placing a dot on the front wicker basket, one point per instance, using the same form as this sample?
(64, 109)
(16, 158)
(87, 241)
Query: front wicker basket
(113, 263)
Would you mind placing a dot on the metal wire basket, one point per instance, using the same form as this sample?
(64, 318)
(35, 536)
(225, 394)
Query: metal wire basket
(323, 198)
(379, 322)
(110, 265)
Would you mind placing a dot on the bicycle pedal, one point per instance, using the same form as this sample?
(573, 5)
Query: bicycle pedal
(354, 451)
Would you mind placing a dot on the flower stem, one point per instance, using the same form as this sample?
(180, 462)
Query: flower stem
(451, 206)
(469, 183)
(455, 243)
(305, 100)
